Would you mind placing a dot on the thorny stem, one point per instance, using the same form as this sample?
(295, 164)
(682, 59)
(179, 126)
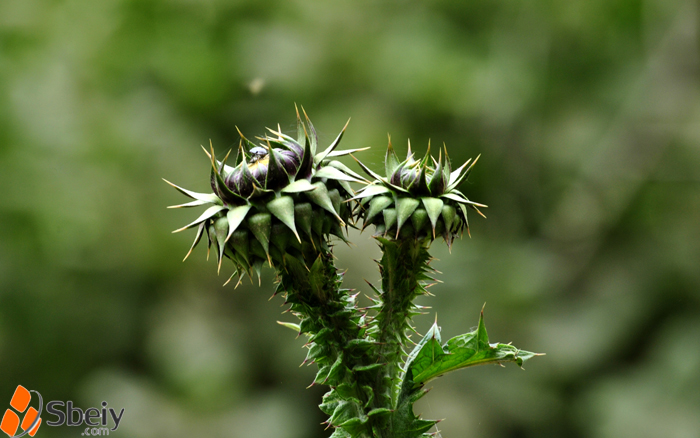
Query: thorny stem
(403, 269)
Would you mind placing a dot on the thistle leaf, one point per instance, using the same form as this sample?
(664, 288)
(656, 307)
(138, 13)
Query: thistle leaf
(235, 216)
(260, 225)
(345, 152)
(455, 176)
(404, 209)
(343, 168)
(208, 213)
(389, 218)
(197, 238)
(371, 190)
(289, 325)
(322, 156)
(368, 170)
(313, 138)
(448, 216)
(469, 349)
(303, 216)
(307, 162)
(391, 161)
(283, 209)
(321, 198)
(331, 172)
(434, 207)
(221, 229)
(195, 203)
(457, 196)
(299, 186)
(376, 205)
(203, 197)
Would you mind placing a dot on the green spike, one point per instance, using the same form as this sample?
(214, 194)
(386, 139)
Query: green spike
(320, 157)
(302, 215)
(256, 250)
(404, 209)
(301, 129)
(321, 198)
(331, 172)
(283, 209)
(418, 219)
(239, 242)
(257, 265)
(391, 161)
(448, 216)
(345, 169)
(466, 220)
(235, 216)
(337, 231)
(298, 186)
(208, 213)
(279, 236)
(260, 225)
(312, 137)
(197, 238)
(203, 197)
(221, 230)
(376, 205)
(334, 194)
(434, 207)
(437, 183)
(317, 222)
(389, 218)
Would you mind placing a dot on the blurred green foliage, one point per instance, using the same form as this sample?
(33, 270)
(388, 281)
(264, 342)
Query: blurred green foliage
(587, 116)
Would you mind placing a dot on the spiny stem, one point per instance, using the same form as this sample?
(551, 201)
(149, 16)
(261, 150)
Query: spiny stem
(403, 269)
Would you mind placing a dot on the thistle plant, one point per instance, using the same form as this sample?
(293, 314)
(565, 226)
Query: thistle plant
(282, 202)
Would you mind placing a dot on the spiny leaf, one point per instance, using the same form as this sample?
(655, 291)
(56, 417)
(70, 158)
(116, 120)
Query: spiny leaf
(235, 216)
(322, 156)
(204, 197)
(469, 349)
(371, 190)
(345, 152)
(342, 167)
(208, 213)
(299, 186)
(377, 205)
(289, 325)
(461, 199)
(404, 209)
(368, 170)
(283, 209)
(391, 161)
(331, 172)
(434, 207)
(197, 238)
(321, 198)
(260, 225)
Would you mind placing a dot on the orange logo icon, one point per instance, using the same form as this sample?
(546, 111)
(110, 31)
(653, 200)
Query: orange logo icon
(30, 422)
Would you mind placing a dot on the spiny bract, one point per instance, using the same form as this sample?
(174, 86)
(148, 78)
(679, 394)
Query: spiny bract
(281, 197)
(417, 198)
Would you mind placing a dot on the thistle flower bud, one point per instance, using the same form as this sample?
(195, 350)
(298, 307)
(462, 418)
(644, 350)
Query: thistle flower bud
(281, 198)
(417, 198)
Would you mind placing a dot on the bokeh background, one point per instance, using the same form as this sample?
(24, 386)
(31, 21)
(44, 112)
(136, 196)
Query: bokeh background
(587, 116)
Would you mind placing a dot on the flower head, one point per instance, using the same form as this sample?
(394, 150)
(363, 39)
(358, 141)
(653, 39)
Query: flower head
(417, 198)
(281, 198)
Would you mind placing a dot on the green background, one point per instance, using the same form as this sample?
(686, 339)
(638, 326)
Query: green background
(587, 116)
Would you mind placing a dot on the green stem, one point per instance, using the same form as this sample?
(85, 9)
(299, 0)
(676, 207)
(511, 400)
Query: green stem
(403, 268)
(329, 316)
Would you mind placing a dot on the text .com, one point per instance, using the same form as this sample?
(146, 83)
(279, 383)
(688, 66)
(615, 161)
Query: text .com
(97, 421)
